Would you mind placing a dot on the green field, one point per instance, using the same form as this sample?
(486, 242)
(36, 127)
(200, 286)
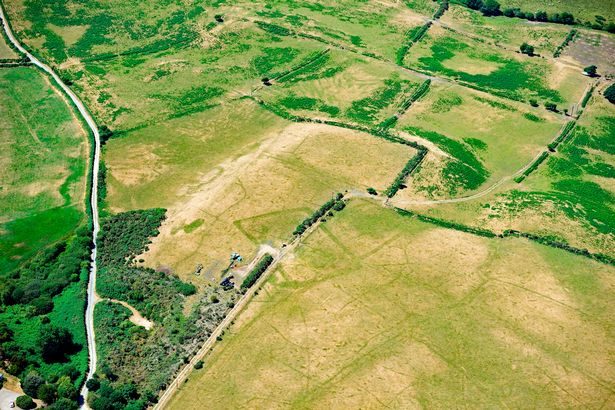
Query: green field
(44, 244)
(42, 167)
(379, 310)
(229, 122)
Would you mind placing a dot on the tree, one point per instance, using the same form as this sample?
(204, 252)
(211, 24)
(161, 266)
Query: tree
(6, 334)
(474, 4)
(491, 8)
(25, 403)
(542, 16)
(93, 384)
(372, 191)
(105, 133)
(66, 388)
(509, 12)
(47, 393)
(533, 103)
(591, 70)
(31, 383)
(609, 93)
(527, 49)
(551, 106)
(64, 404)
(55, 343)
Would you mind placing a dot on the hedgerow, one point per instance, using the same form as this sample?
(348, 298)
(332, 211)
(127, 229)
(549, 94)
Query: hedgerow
(532, 167)
(567, 40)
(403, 175)
(562, 135)
(257, 271)
(336, 204)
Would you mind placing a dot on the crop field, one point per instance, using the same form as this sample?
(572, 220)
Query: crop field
(380, 310)
(42, 166)
(501, 72)
(485, 138)
(309, 204)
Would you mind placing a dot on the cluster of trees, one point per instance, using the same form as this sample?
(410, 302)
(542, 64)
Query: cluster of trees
(336, 204)
(35, 283)
(493, 8)
(258, 270)
(57, 394)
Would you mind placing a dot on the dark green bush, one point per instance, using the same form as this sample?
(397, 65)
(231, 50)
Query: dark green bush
(25, 403)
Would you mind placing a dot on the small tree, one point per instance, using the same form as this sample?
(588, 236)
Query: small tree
(372, 191)
(609, 93)
(591, 70)
(551, 106)
(47, 393)
(527, 49)
(31, 383)
(491, 8)
(93, 384)
(25, 403)
(198, 365)
(533, 103)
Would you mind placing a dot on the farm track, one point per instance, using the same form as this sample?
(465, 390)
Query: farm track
(91, 287)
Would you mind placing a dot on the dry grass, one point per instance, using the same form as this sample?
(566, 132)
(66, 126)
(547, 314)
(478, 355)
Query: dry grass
(377, 310)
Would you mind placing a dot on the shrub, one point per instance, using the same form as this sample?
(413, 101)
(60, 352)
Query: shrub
(47, 393)
(491, 8)
(198, 365)
(533, 103)
(25, 403)
(527, 49)
(372, 191)
(551, 106)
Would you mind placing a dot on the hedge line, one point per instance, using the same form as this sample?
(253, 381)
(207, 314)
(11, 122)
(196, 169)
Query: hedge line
(562, 136)
(407, 170)
(443, 7)
(412, 37)
(509, 233)
(532, 167)
(565, 43)
(559, 245)
(257, 271)
(305, 63)
(420, 91)
(587, 96)
(336, 204)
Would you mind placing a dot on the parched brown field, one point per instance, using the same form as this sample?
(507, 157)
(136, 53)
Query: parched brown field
(255, 197)
(377, 310)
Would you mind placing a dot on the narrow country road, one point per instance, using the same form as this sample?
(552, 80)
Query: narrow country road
(91, 292)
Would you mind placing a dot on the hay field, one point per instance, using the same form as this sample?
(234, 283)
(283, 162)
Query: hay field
(379, 310)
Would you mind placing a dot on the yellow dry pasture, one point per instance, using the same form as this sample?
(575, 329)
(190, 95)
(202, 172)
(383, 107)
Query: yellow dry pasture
(378, 310)
(260, 197)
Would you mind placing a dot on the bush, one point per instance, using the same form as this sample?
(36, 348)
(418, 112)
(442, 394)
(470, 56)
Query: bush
(198, 365)
(25, 403)
(533, 103)
(372, 191)
(47, 393)
(551, 106)
(609, 93)
(527, 49)
(491, 8)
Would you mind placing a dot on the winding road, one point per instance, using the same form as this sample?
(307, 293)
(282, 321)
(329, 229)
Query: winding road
(89, 312)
